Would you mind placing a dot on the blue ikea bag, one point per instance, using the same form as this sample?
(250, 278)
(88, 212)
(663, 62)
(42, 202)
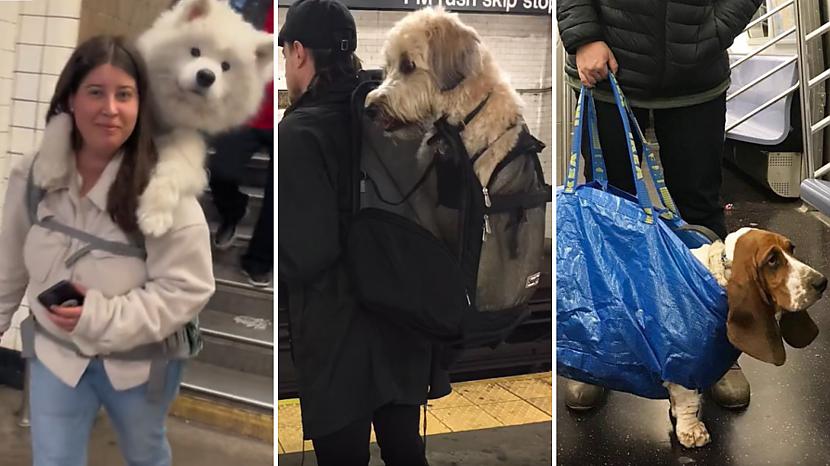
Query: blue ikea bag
(634, 308)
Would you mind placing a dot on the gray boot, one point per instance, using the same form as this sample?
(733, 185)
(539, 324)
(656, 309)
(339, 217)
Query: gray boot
(582, 396)
(732, 390)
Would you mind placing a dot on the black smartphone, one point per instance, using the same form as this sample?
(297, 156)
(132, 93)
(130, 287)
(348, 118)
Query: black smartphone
(62, 293)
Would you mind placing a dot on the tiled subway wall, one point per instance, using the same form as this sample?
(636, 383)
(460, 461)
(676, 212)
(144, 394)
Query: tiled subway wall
(9, 12)
(36, 39)
(521, 45)
(46, 35)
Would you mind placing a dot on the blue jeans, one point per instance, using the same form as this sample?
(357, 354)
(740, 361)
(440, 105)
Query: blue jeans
(62, 416)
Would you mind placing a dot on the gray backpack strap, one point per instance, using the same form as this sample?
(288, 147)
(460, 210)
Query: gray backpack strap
(34, 195)
(92, 241)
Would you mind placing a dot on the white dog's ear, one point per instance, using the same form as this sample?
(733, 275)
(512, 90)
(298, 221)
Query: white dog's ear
(265, 56)
(189, 10)
(454, 52)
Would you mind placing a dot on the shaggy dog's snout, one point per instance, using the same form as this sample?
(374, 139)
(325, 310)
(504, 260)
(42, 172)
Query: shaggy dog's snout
(820, 284)
(372, 111)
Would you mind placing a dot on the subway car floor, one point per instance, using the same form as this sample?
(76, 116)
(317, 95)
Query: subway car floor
(786, 421)
(192, 445)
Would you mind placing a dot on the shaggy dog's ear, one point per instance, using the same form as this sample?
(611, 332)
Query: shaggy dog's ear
(453, 51)
(189, 10)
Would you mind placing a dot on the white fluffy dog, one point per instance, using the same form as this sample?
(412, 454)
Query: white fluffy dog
(436, 66)
(208, 69)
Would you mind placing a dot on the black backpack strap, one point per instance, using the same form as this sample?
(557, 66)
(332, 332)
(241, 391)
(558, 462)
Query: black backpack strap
(523, 200)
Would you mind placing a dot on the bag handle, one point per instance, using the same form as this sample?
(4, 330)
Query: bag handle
(655, 168)
(634, 159)
(585, 108)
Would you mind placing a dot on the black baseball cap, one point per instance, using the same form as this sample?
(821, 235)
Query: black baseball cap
(319, 24)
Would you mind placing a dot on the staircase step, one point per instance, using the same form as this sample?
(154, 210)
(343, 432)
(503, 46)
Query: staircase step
(230, 280)
(225, 416)
(242, 357)
(257, 331)
(238, 342)
(246, 389)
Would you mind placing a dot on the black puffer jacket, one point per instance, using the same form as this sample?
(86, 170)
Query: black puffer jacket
(664, 48)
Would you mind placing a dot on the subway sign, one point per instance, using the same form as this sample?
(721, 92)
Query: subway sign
(513, 7)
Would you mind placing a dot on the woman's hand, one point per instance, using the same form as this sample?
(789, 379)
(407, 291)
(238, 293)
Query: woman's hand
(592, 62)
(67, 317)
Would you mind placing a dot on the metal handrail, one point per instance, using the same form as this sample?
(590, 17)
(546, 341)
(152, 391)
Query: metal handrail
(819, 31)
(766, 45)
(822, 171)
(763, 107)
(761, 78)
(820, 125)
(818, 79)
(768, 14)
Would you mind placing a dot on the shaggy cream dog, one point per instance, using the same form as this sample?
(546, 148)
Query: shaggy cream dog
(437, 66)
(208, 68)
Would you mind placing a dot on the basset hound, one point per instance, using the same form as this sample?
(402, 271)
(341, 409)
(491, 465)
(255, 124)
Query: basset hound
(769, 291)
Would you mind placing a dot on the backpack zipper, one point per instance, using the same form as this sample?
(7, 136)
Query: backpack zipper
(488, 204)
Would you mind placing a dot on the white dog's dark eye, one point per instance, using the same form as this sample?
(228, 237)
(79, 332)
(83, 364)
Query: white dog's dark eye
(407, 66)
(226, 66)
(772, 261)
(195, 52)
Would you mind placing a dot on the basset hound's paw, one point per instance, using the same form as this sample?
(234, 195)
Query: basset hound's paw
(692, 434)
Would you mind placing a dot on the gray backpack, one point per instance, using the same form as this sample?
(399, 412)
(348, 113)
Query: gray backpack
(428, 247)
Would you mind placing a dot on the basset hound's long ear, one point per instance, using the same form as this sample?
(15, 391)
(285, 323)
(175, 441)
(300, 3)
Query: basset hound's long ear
(751, 324)
(798, 328)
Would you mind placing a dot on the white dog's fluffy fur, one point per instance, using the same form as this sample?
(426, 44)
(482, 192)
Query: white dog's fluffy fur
(436, 65)
(181, 106)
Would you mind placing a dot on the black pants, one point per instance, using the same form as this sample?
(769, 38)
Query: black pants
(396, 429)
(227, 170)
(691, 150)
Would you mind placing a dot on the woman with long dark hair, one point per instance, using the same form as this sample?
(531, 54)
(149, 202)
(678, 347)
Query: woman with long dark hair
(121, 345)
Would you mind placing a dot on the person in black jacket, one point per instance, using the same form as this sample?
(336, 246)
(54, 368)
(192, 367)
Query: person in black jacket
(670, 58)
(354, 370)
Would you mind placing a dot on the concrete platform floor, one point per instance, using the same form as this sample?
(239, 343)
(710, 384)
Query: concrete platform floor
(192, 445)
(503, 421)
(786, 421)
(521, 445)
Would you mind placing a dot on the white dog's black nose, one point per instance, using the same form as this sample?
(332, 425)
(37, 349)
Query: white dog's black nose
(205, 77)
(821, 284)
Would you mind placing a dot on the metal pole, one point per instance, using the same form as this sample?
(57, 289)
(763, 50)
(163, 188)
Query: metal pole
(804, 77)
(23, 412)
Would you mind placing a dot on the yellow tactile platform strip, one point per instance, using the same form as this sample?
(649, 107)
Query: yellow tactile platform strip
(227, 418)
(481, 404)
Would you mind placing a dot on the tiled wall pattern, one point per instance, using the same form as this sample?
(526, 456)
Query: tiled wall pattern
(521, 45)
(9, 12)
(47, 33)
(33, 51)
